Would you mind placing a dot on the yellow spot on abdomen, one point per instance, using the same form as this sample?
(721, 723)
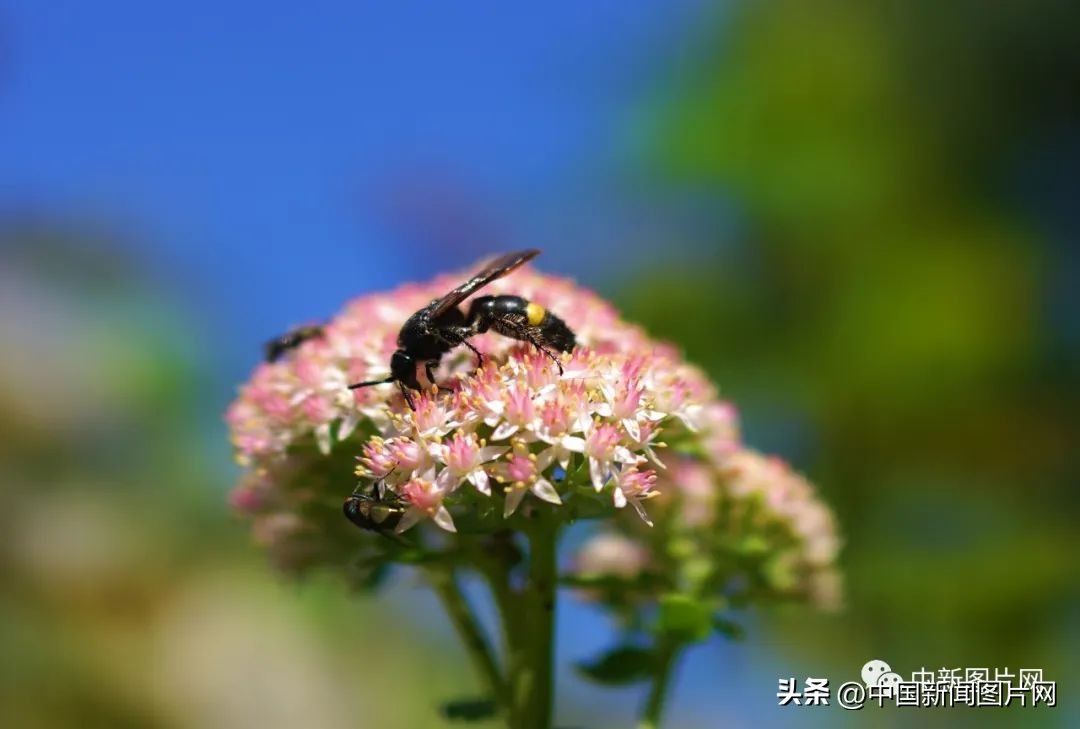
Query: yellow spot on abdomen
(536, 313)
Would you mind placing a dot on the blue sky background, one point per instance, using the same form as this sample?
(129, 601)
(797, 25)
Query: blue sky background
(275, 161)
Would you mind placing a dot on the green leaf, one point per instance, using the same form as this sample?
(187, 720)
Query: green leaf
(684, 618)
(621, 665)
(469, 709)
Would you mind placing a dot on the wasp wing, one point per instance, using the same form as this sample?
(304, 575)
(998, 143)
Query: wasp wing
(496, 269)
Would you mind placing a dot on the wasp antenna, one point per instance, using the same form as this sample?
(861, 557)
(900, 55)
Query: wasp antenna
(369, 383)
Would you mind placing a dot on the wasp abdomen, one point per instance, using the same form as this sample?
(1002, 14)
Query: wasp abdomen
(518, 318)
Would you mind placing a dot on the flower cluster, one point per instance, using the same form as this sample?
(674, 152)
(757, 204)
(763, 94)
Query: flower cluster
(514, 422)
(748, 520)
(625, 421)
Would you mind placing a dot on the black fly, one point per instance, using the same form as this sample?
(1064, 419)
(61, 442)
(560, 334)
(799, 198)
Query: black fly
(440, 326)
(373, 510)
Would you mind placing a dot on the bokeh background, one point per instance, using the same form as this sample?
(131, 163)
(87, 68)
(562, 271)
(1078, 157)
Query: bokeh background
(860, 217)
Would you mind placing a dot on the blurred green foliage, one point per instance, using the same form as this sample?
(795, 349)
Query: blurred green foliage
(884, 317)
(128, 595)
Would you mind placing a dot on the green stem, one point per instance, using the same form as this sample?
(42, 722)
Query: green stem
(533, 668)
(476, 643)
(652, 713)
(511, 608)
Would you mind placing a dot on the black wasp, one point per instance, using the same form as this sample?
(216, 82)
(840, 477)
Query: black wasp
(440, 326)
(276, 348)
(372, 510)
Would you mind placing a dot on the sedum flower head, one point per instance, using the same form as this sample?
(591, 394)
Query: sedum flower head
(732, 523)
(620, 430)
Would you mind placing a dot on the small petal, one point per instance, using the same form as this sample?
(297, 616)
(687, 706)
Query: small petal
(504, 431)
(545, 458)
(651, 455)
(348, 425)
(443, 519)
(409, 519)
(641, 512)
(574, 443)
(490, 453)
(546, 491)
(446, 481)
(598, 474)
(479, 479)
(322, 438)
(514, 495)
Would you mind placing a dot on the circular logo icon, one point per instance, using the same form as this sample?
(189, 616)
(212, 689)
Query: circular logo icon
(874, 670)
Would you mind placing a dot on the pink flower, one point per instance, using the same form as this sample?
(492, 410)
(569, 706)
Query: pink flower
(603, 451)
(633, 486)
(645, 441)
(408, 455)
(611, 553)
(483, 395)
(518, 412)
(431, 417)
(247, 498)
(699, 492)
(718, 423)
(377, 461)
(538, 372)
(558, 419)
(425, 500)
(465, 457)
(270, 529)
(623, 399)
(523, 471)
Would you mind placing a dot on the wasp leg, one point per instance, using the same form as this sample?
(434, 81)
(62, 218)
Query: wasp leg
(551, 355)
(460, 335)
(429, 368)
(406, 394)
(522, 333)
(479, 357)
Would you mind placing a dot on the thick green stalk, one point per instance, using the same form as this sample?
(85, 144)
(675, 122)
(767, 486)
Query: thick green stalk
(533, 642)
(512, 614)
